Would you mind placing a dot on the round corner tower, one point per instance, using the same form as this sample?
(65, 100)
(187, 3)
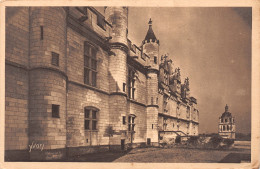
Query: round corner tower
(151, 48)
(47, 61)
(118, 18)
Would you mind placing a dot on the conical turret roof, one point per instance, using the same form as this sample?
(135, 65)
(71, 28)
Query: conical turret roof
(150, 34)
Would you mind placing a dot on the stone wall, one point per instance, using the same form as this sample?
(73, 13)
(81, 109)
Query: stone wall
(16, 108)
(53, 22)
(47, 88)
(118, 17)
(17, 35)
(80, 97)
(140, 122)
(75, 55)
(16, 82)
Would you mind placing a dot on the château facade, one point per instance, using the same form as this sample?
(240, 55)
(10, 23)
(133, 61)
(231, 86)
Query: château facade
(76, 84)
(227, 127)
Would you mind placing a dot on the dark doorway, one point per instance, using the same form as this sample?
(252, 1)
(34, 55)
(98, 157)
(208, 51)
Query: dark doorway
(123, 144)
(148, 141)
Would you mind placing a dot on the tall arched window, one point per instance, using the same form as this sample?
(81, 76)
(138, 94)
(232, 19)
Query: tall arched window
(91, 115)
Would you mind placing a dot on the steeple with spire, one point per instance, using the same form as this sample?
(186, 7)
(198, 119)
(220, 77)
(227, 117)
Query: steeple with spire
(150, 36)
(226, 108)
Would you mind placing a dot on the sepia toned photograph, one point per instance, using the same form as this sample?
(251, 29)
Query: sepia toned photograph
(126, 84)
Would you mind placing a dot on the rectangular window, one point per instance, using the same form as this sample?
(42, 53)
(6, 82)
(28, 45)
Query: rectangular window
(133, 93)
(131, 84)
(94, 125)
(41, 32)
(86, 76)
(87, 125)
(101, 22)
(56, 111)
(155, 59)
(124, 85)
(54, 59)
(124, 122)
(131, 124)
(94, 114)
(129, 127)
(91, 119)
(87, 112)
(164, 123)
(90, 65)
(94, 78)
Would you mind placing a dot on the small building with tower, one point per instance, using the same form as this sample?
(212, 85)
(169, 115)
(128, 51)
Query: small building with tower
(227, 128)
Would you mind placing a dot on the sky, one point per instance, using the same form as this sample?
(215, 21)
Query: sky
(212, 46)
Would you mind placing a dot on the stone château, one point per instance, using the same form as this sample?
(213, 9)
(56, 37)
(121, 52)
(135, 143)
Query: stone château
(76, 84)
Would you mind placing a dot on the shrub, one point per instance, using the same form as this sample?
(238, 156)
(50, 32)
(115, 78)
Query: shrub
(178, 139)
(193, 140)
(215, 141)
(228, 142)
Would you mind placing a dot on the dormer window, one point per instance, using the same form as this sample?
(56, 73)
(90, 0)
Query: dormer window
(101, 22)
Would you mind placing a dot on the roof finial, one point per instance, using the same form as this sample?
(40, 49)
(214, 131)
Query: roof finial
(150, 22)
(226, 108)
(150, 37)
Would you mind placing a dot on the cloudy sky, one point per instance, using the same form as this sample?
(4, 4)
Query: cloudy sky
(212, 46)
